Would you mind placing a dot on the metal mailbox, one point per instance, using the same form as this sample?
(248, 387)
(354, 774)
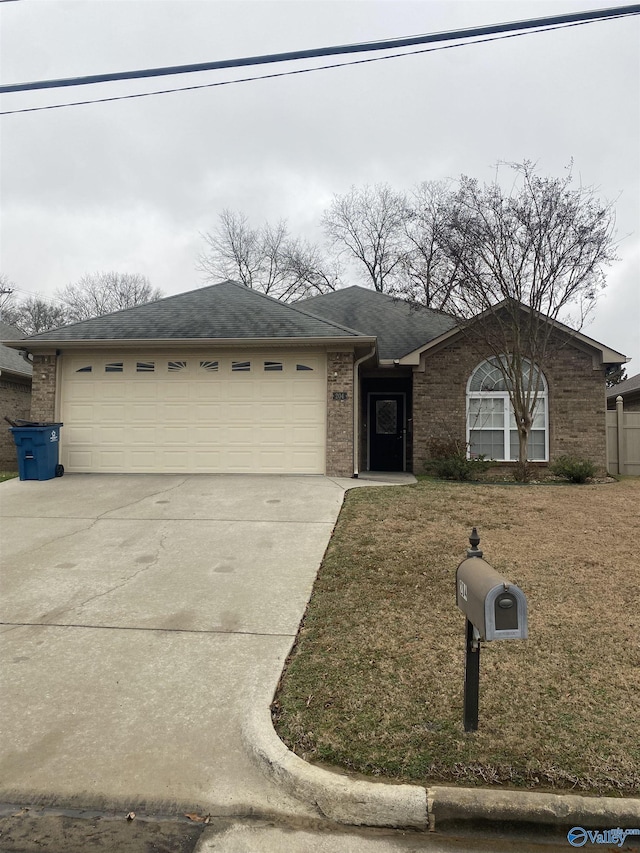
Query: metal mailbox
(493, 605)
(496, 609)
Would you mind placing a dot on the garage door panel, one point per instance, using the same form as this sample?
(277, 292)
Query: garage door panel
(106, 414)
(207, 461)
(146, 390)
(240, 387)
(145, 412)
(213, 391)
(112, 435)
(113, 388)
(148, 417)
(275, 413)
(178, 435)
(79, 435)
(147, 435)
(176, 390)
(175, 412)
(175, 460)
(309, 413)
(206, 436)
(80, 391)
(111, 460)
(278, 435)
(144, 460)
(79, 460)
(77, 413)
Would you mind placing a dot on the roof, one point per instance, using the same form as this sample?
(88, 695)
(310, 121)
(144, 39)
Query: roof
(10, 360)
(628, 386)
(220, 311)
(603, 354)
(400, 326)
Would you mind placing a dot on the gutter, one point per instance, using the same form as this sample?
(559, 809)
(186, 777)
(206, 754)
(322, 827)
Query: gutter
(346, 341)
(356, 410)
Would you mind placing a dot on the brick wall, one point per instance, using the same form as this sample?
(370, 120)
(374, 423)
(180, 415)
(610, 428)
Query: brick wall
(576, 401)
(339, 414)
(577, 406)
(15, 402)
(43, 389)
(439, 397)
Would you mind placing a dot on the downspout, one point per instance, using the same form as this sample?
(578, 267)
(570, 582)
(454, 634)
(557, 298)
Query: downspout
(356, 410)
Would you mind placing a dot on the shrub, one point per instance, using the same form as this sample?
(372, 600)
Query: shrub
(448, 460)
(572, 468)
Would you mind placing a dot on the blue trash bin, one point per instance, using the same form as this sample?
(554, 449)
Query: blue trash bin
(37, 448)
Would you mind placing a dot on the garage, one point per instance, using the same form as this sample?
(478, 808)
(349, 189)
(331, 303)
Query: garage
(191, 411)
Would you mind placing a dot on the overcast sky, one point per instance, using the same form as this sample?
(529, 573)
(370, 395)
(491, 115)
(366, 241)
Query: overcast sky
(131, 185)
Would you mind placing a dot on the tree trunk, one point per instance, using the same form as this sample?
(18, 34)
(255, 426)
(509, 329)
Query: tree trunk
(522, 468)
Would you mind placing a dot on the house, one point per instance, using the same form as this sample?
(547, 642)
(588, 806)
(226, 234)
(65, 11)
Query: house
(225, 379)
(629, 390)
(15, 393)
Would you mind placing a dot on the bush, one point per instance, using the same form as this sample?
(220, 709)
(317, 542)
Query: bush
(573, 469)
(449, 461)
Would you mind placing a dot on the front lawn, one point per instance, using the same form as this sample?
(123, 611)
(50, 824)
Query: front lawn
(375, 681)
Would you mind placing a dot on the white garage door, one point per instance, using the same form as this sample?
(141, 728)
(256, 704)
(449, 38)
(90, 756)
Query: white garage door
(187, 413)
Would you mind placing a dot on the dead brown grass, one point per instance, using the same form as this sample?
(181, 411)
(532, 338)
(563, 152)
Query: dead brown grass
(375, 681)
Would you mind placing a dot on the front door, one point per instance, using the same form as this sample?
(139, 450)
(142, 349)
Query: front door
(387, 432)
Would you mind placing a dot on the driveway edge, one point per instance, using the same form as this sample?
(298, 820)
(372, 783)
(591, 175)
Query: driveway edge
(361, 803)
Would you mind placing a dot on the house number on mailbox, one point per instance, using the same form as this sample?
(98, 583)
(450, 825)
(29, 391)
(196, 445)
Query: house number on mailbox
(339, 395)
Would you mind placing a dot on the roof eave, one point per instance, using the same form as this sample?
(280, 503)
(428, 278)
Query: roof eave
(606, 354)
(8, 373)
(228, 343)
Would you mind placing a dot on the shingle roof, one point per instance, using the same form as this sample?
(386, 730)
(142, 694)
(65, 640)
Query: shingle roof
(10, 359)
(226, 310)
(401, 327)
(628, 386)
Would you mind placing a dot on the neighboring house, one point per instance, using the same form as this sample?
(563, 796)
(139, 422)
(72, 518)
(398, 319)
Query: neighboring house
(225, 379)
(15, 393)
(629, 390)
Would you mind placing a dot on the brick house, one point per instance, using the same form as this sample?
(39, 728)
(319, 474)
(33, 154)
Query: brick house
(15, 393)
(225, 379)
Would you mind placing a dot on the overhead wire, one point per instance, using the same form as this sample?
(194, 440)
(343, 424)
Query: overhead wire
(292, 72)
(331, 50)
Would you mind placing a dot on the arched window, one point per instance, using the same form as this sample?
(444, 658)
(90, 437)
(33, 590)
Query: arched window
(491, 426)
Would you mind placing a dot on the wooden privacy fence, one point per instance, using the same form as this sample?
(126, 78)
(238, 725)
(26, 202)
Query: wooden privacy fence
(623, 440)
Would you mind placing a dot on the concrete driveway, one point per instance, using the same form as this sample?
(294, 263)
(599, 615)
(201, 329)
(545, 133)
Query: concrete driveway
(137, 615)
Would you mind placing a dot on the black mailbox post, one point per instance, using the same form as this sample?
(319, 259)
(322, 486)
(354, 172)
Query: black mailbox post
(495, 609)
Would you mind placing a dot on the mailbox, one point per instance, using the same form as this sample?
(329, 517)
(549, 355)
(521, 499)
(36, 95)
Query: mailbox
(493, 605)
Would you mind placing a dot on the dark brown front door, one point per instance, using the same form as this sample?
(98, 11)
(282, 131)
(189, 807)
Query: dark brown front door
(387, 432)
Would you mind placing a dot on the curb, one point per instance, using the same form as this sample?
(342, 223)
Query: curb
(359, 803)
(337, 797)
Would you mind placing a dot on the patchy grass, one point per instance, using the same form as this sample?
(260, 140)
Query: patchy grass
(7, 475)
(374, 683)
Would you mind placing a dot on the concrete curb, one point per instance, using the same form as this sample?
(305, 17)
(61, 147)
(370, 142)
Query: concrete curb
(337, 797)
(360, 803)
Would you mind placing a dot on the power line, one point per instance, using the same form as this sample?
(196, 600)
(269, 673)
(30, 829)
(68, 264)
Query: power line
(287, 73)
(366, 47)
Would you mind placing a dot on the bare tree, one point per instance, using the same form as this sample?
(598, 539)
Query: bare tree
(368, 225)
(524, 258)
(430, 275)
(36, 314)
(97, 294)
(267, 259)
(31, 314)
(8, 309)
